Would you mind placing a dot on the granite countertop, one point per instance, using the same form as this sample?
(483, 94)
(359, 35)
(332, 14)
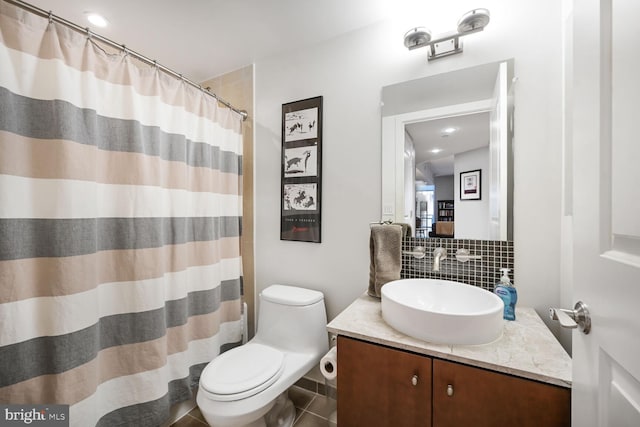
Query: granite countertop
(526, 349)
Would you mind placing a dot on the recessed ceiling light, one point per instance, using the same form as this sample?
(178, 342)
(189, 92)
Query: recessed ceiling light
(96, 19)
(449, 130)
(436, 150)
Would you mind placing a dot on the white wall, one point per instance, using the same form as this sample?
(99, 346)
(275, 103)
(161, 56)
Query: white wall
(472, 216)
(425, 173)
(445, 189)
(349, 73)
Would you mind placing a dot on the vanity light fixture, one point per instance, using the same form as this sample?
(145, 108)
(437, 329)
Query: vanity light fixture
(448, 43)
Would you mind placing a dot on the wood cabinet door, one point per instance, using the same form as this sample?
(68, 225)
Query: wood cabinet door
(376, 386)
(483, 398)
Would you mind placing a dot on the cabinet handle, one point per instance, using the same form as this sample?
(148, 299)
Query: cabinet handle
(414, 380)
(449, 390)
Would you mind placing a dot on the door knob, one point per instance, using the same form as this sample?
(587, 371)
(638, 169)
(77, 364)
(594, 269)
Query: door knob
(414, 380)
(579, 317)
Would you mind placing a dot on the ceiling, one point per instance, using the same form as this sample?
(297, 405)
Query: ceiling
(206, 38)
(472, 132)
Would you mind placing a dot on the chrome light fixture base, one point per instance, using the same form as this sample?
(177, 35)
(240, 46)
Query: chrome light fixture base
(449, 43)
(444, 47)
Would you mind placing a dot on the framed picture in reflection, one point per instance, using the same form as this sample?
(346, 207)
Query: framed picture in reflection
(470, 185)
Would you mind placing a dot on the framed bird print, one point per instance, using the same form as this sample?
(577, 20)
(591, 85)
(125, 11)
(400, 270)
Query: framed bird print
(301, 170)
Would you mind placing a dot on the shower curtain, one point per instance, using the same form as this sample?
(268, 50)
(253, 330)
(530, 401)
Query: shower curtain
(120, 220)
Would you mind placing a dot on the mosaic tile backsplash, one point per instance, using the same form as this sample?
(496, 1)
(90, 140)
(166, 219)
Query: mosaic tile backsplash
(484, 272)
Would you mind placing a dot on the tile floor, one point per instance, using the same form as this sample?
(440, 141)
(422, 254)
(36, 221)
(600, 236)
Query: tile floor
(312, 410)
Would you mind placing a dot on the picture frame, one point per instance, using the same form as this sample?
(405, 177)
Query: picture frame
(301, 171)
(471, 185)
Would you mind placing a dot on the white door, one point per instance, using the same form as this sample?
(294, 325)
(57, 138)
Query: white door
(498, 195)
(606, 208)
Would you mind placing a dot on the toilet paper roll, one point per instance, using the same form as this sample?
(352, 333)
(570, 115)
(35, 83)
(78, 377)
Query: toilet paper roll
(329, 364)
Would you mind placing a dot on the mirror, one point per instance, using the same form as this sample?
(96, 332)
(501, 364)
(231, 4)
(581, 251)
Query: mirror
(447, 165)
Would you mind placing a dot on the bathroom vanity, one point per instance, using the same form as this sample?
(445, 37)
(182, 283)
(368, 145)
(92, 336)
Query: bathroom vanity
(386, 378)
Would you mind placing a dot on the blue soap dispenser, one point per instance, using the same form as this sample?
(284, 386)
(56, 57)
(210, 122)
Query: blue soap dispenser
(507, 292)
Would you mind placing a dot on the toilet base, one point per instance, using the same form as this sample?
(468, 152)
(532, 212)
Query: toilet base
(257, 423)
(282, 414)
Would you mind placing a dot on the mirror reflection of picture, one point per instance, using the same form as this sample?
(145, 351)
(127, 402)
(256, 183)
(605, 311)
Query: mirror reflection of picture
(470, 185)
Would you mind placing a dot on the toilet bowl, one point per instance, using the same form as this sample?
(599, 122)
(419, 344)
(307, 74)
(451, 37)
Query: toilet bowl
(246, 386)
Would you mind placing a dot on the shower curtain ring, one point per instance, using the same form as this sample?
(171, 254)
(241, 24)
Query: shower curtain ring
(50, 17)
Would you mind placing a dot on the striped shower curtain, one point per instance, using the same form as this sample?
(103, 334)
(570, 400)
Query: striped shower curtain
(120, 215)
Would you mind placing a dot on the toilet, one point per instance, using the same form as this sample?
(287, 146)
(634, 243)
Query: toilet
(247, 385)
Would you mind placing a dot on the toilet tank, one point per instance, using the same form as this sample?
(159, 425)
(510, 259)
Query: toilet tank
(293, 319)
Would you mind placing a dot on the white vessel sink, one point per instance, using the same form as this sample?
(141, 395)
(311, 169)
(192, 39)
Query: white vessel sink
(442, 311)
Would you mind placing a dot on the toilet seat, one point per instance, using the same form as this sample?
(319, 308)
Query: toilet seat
(242, 372)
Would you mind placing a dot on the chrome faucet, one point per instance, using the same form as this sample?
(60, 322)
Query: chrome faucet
(438, 255)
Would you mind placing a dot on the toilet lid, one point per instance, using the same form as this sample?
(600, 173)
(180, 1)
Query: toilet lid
(291, 295)
(242, 371)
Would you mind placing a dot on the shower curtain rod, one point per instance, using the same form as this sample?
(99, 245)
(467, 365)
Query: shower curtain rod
(76, 27)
